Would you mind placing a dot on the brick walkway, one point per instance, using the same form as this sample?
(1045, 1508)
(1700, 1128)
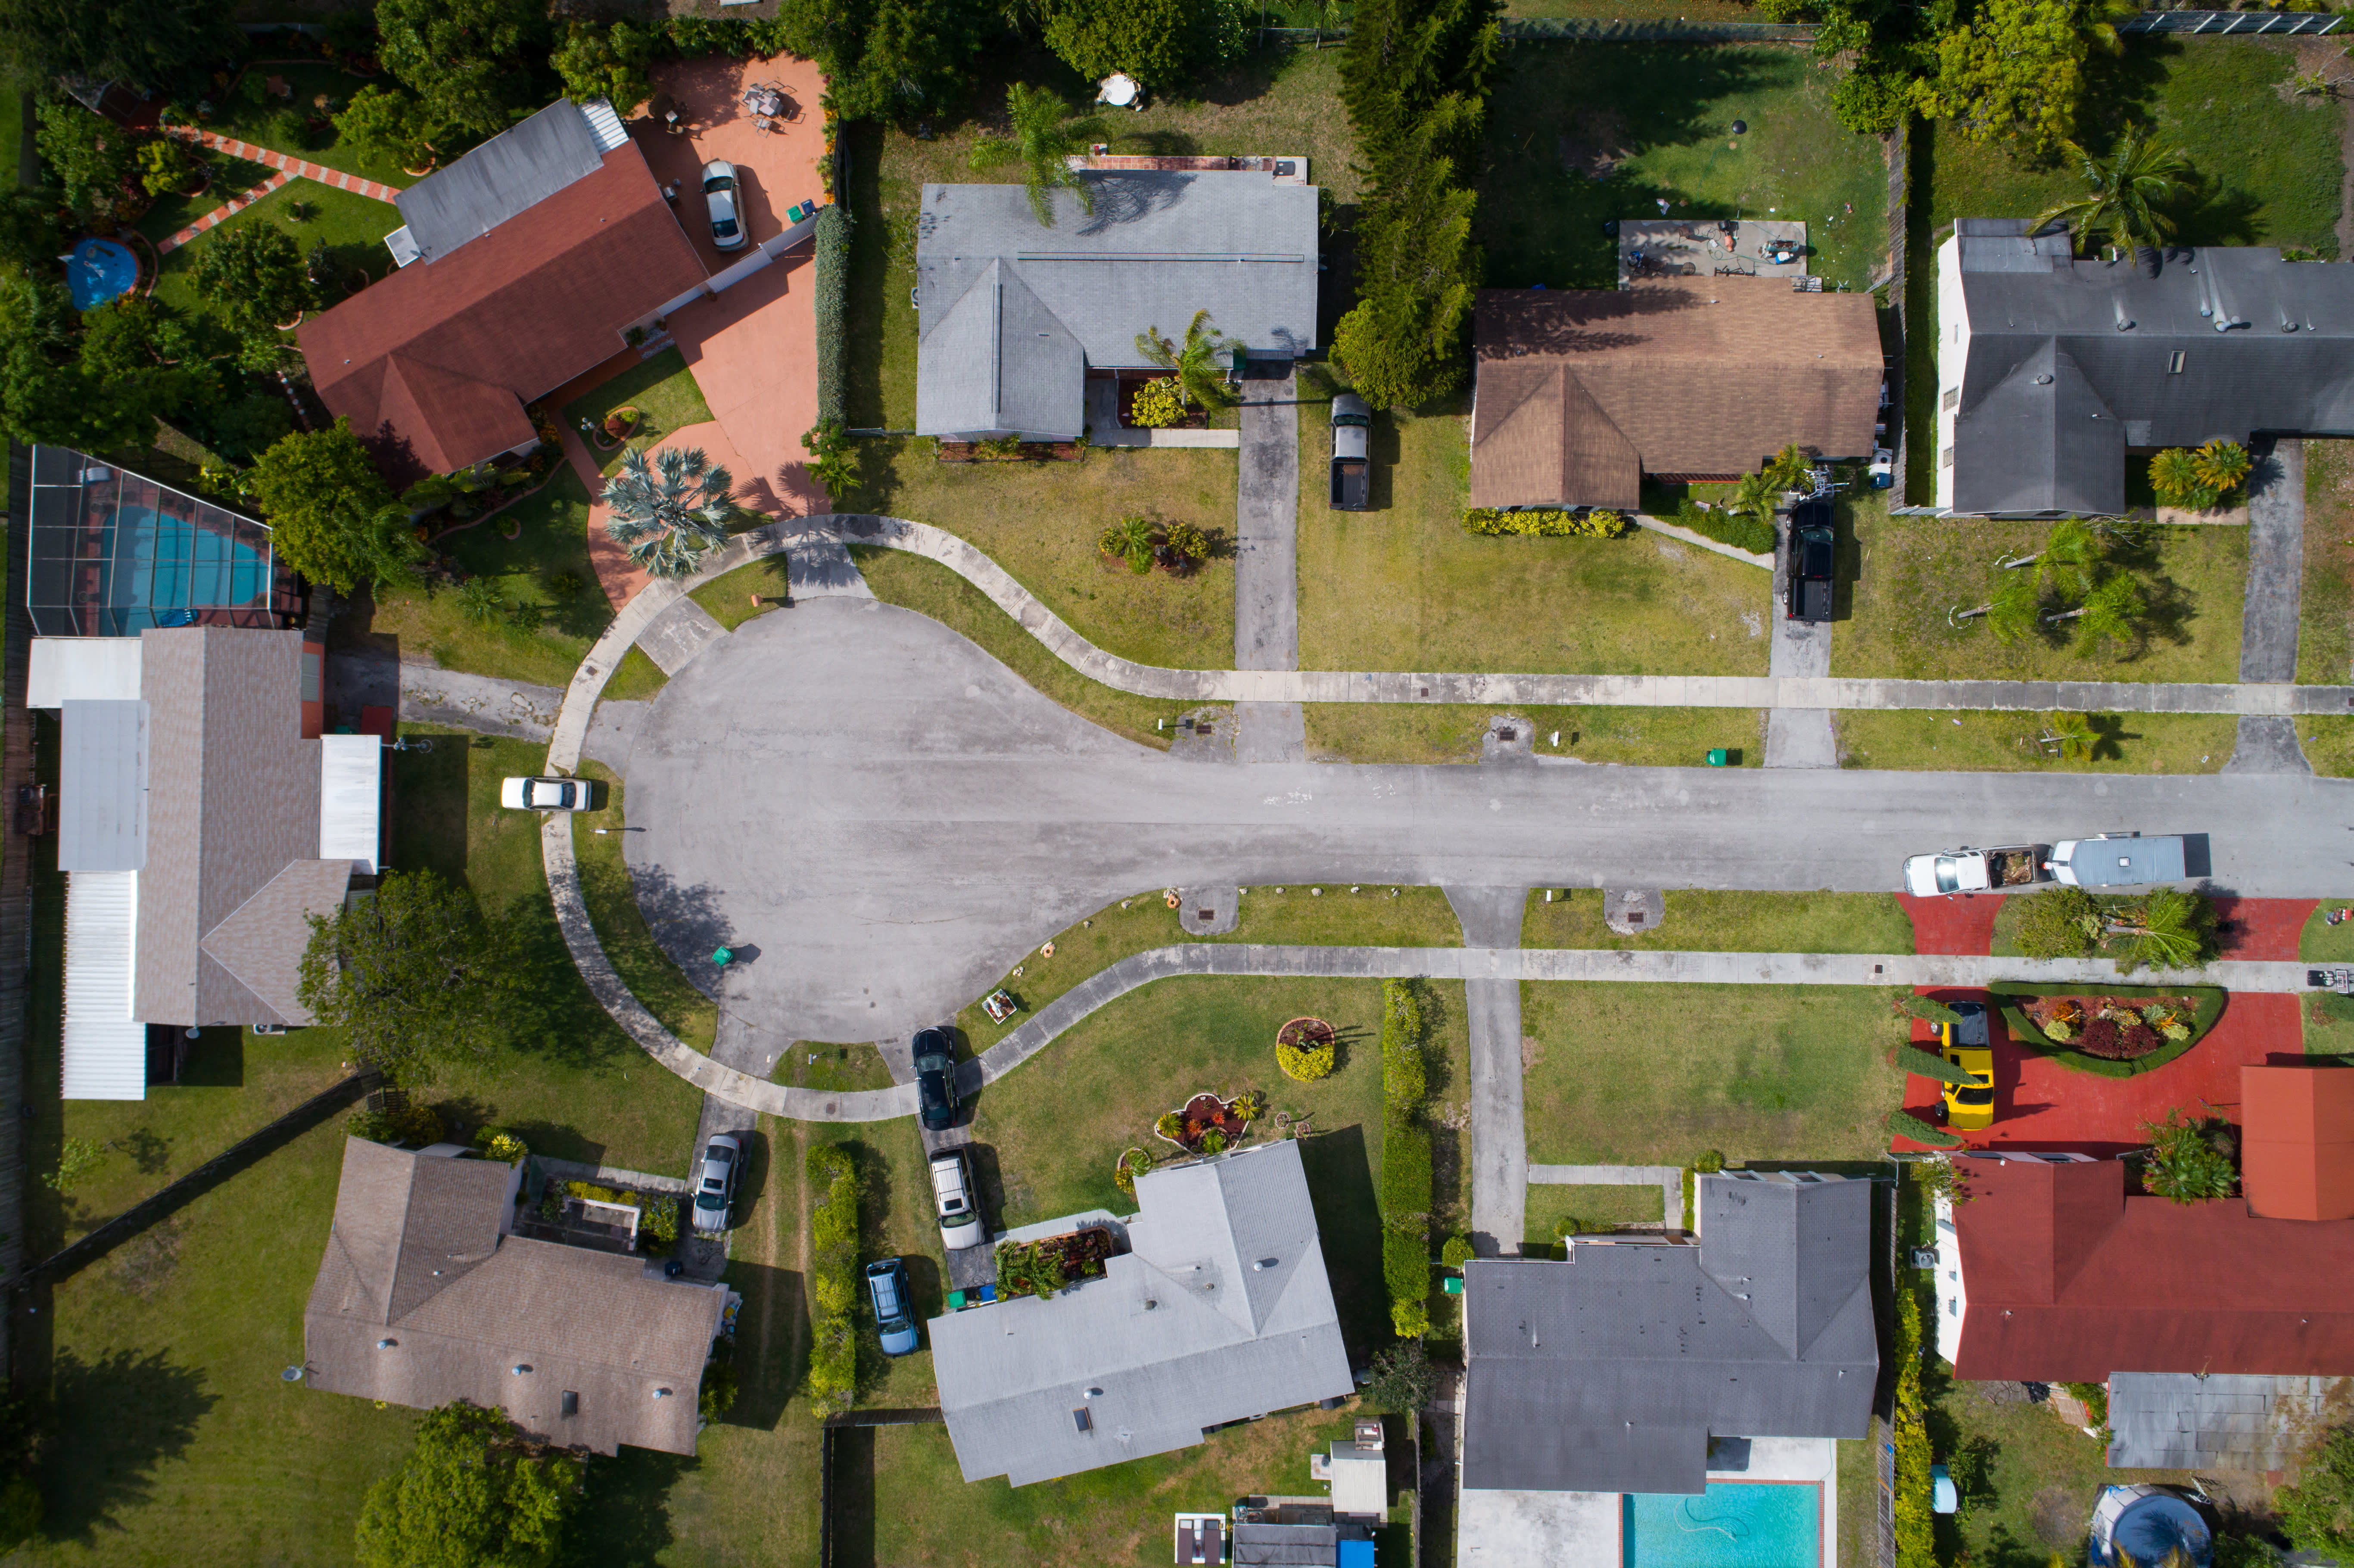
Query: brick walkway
(287, 168)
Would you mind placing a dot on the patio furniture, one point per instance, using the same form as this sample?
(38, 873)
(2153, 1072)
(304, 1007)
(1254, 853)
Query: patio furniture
(1000, 1005)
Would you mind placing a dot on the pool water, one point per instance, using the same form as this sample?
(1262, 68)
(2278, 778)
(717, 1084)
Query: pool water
(1737, 1525)
(99, 270)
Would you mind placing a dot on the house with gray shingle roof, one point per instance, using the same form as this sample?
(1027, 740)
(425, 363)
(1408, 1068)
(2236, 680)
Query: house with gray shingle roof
(2052, 371)
(1012, 314)
(1656, 1367)
(1219, 1311)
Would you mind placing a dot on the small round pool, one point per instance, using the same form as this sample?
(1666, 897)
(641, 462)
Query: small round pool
(98, 270)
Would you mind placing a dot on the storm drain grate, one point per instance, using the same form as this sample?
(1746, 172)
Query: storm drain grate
(1634, 916)
(1508, 735)
(1206, 915)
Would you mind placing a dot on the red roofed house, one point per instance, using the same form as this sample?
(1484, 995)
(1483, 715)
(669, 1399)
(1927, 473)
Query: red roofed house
(2296, 1148)
(522, 266)
(2050, 1273)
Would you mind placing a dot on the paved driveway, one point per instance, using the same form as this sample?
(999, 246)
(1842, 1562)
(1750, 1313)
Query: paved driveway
(880, 820)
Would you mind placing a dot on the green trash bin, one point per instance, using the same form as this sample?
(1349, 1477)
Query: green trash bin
(1718, 757)
(1454, 1285)
(956, 1300)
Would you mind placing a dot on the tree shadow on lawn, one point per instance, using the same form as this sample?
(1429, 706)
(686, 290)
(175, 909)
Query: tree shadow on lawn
(120, 1417)
(429, 818)
(625, 1521)
(686, 923)
(771, 1372)
(1349, 1224)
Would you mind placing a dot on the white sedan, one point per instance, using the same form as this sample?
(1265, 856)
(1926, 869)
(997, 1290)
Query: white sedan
(720, 191)
(547, 795)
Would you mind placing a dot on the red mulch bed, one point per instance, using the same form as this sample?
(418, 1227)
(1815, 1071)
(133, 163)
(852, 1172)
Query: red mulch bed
(1205, 1112)
(2112, 1039)
(1080, 1248)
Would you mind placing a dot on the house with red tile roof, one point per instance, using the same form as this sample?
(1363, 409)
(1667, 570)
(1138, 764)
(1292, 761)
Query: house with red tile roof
(524, 264)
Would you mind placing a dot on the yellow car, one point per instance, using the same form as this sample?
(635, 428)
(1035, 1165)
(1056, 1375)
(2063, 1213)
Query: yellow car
(1968, 1106)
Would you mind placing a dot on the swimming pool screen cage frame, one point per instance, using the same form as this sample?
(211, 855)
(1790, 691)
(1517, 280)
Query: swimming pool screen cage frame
(78, 551)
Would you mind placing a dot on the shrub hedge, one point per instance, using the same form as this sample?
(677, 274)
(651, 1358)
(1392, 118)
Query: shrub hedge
(1405, 1080)
(2211, 1003)
(1408, 1181)
(1545, 523)
(833, 1279)
(1915, 1525)
(1305, 1064)
(833, 277)
(1742, 530)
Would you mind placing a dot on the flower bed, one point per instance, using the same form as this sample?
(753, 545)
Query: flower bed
(1132, 385)
(1043, 1267)
(2108, 1047)
(1307, 1049)
(1209, 1125)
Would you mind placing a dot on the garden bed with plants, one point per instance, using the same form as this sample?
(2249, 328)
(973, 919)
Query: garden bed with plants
(1043, 1267)
(2093, 1038)
(1209, 1125)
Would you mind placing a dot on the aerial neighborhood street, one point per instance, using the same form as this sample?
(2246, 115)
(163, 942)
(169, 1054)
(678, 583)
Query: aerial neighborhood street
(1399, 784)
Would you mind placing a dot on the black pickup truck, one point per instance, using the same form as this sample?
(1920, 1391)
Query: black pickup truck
(1807, 586)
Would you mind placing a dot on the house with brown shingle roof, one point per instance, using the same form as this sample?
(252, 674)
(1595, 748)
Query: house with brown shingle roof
(1581, 393)
(426, 1296)
(526, 261)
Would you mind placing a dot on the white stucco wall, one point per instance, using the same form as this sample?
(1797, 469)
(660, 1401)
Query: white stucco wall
(1953, 353)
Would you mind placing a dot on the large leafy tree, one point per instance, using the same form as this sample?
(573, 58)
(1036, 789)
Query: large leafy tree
(252, 273)
(609, 62)
(1155, 41)
(390, 123)
(95, 391)
(413, 976)
(2014, 73)
(95, 160)
(895, 60)
(1403, 57)
(1417, 271)
(473, 1493)
(151, 44)
(335, 519)
(668, 511)
(464, 59)
(1040, 137)
(2126, 194)
(2318, 1511)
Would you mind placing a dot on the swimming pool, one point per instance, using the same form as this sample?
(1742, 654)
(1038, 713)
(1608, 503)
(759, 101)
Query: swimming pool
(96, 271)
(1737, 1525)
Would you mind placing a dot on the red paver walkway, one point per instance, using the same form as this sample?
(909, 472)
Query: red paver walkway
(2263, 928)
(288, 168)
(1962, 924)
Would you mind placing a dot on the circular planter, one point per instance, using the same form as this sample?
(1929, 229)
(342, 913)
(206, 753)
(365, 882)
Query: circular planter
(632, 419)
(1308, 1032)
(289, 326)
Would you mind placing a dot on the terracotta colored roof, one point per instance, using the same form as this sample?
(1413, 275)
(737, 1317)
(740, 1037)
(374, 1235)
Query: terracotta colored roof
(418, 1258)
(2069, 1280)
(1686, 375)
(434, 363)
(2296, 1147)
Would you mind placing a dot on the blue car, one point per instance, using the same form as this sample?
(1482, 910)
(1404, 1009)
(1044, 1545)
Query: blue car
(886, 1284)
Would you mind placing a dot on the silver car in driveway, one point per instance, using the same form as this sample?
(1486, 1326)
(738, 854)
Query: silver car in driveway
(715, 1183)
(960, 1225)
(725, 198)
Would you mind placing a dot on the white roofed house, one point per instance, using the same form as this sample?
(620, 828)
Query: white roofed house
(1219, 1311)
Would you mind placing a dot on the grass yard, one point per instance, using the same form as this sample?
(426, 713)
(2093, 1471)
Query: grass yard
(928, 588)
(1665, 111)
(1595, 1209)
(352, 226)
(1909, 739)
(310, 79)
(1403, 586)
(1450, 732)
(662, 388)
(573, 1085)
(545, 569)
(2324, 636)
(1050, 1131)
(1120, 1514)
(1910, 572)
(1655, 1074)
(729, 597)
(1415, 918)
(2323, 943)
(1730, 923)
(2328, 743)
(1278, 101)
(172, 212)
(1040, 520)
(612, 900)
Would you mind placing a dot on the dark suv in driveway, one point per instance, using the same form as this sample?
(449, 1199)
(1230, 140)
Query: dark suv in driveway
(934, 1079)
(1809, 582)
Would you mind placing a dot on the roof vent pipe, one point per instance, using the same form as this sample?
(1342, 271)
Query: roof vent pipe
(2125, 324)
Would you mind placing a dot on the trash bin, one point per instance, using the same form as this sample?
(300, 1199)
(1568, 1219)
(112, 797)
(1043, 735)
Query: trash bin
(1454, 1285)
(1718, 757)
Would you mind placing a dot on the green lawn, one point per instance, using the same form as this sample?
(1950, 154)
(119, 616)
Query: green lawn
(1041, 521)
(1595, 1209)
(2323, 943)
(1120, 1514)
(1643, 1074)
(1730, 923)
(929, 588)
(2324, 635)
(729, 597)
(1666, 110)
(1415, 918)
(169, 214)
(352, 226)
(252, 122)
(530, 569)
(1909, 573)
(1403, 586)
(663, 389)
(573, 1085)
(1278, 101)
(1922, 740)
(612, 900)
(1450, 732)
(2328, 745)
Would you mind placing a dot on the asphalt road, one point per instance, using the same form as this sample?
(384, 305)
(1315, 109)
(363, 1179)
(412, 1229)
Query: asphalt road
(881, 820)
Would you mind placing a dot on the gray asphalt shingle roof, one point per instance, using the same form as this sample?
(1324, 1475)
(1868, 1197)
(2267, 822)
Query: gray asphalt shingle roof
(1609, 1372)
(1222, 1310)
(2134, 361)
(1160, 246)
(517, 168)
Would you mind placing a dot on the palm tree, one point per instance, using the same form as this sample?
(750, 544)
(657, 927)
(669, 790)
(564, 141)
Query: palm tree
(1042, 140)
(1759, 494)
(2071, 733)
(2165, 928)
(1131, 539)
(2220, 465)
(2068, 560)
(2111, 613)
(2014, 611)
(2125, 196)
(668, 511)
(1194, 363)
(2174, 477)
